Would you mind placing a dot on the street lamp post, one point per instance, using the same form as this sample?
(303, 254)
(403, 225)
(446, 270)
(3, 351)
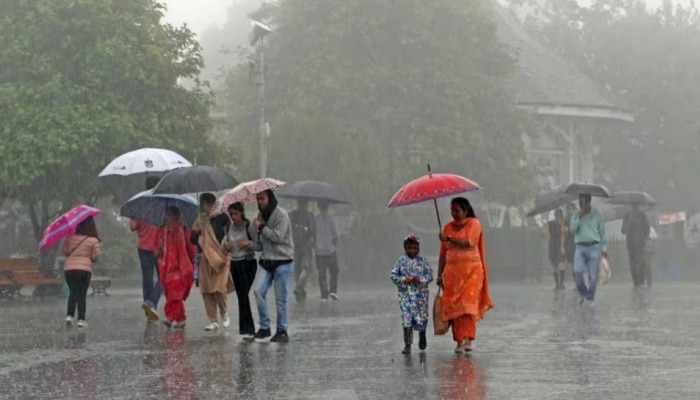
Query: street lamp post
(261, 30)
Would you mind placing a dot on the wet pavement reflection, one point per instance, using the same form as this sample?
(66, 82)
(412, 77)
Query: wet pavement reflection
(536, 344)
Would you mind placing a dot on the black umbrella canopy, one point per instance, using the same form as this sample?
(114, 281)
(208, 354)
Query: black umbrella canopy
(591, 189)
(313, 191)
(633, 198)
(550, 200)
(197, 179)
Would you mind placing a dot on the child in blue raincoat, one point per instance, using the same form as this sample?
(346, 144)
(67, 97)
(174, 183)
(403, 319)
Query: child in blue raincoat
(412, 275)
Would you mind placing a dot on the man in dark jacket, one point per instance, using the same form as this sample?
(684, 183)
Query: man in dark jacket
(635, 226)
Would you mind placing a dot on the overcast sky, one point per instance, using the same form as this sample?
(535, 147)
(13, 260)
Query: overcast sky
(199, 14)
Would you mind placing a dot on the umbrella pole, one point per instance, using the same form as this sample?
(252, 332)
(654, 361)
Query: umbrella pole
(437, 212)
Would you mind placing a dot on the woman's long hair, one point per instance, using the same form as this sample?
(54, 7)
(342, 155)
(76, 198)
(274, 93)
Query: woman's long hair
(238, 206)
(88, 228)
(465, 205)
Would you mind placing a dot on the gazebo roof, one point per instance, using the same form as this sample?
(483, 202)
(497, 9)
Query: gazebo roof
(547, 83)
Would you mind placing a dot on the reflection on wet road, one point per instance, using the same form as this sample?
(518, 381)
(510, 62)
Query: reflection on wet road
(534, 345)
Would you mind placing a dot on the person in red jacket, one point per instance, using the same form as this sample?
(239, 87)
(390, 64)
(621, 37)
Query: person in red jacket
(175, 254)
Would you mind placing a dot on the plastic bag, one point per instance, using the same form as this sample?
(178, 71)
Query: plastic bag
(604, 271)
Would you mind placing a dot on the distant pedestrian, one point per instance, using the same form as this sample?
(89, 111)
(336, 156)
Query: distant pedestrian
(569, 240)
(636, 228)
(588, 227)
(81, 250)
(649, 251)
(303, 232)
(556, 231)
(327, 238)
(412, 275)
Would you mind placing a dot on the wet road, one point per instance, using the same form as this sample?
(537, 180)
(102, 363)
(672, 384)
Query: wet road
(534, 345)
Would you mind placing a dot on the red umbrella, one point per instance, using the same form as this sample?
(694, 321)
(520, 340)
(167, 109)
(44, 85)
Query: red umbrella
(432, 187)
(65, 225)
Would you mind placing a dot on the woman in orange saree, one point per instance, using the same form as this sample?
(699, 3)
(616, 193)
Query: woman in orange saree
(175, 254)
(463, 274)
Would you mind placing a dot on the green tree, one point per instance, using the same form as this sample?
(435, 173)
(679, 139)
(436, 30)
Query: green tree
(648, 57)
(364, 94)
(83, 81)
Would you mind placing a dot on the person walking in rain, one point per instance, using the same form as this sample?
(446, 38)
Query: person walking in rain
(569, 240)
(81, 250)
(556, 230)
(214, 272)
(147, 245)
(588, 228)
(636, 228)
(412, 275)
(175, 254)
(327, 238)
(277, 262)
(303, 232)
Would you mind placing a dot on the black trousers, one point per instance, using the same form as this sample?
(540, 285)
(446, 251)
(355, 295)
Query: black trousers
(78, 285)
(636, 258)
(327, 263)
(243, 274)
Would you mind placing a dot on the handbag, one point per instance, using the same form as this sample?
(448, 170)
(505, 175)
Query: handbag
(441, 327)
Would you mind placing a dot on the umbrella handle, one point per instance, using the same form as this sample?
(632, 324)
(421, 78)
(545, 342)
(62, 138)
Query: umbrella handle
(437, 212)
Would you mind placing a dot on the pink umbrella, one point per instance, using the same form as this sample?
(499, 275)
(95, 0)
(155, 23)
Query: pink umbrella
(245, 193)
(66, 225)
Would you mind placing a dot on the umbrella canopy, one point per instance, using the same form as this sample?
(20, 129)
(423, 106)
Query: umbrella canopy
(150, 208)
(633, 198)
(144, 161)
(314, 191)
(591, 189)
(200, 178)
(245, 193)
(65, 225)
(550, 200)
(432, 187)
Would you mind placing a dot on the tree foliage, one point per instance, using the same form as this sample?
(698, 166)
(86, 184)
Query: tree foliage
(363, 94)
(83, 81)
(649, 58)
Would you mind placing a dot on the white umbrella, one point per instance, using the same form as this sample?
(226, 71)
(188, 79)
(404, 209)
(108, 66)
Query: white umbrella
(144, 161)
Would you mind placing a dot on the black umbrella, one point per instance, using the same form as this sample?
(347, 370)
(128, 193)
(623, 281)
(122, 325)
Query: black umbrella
(200, 178)
(631, 198)
(590, 189)
(550, 200)
(313, 191)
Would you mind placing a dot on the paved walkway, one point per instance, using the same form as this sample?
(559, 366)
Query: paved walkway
(534, 345)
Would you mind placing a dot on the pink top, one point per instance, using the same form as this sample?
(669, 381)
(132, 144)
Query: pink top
(81, 251)
(148, 235)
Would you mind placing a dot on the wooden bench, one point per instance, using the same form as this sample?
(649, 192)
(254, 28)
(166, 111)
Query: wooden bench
(19, 272)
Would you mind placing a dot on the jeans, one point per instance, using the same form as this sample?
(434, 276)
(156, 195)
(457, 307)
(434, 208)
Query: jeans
(152, 290)
(586, 261)
(327, 263)
(280, 278)
(78, 284)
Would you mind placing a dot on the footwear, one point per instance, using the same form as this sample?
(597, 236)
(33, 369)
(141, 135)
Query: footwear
(323, 300)
(590, 303)
(406, 349)
(467, 345)
(169, 324)
(334, 296)
(422, 340)
(212, 327)
(69, 320)
(151, 313)
(262, 335)
(226, 321)
(179, 325)
(299, 295)
(247, 336)
(280, 337)
(82, 324)
(460, 348)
